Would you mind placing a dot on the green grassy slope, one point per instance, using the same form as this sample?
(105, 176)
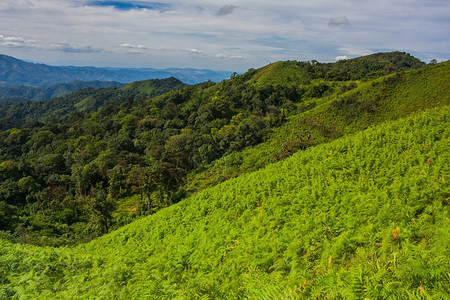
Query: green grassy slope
(96, 160)
(365, 216)
(361, 68)
(283, 72)
(371, 103)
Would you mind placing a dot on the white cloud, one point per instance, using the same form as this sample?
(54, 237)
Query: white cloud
(69, 48)
(130, 46)
(14, 39)
(355, 51)
(341, 57)
(220, 55)
(191, 34)
(127, 46)
(168, 49)
(17, 42)
(224, 56)
(133, 51)
(191, 50)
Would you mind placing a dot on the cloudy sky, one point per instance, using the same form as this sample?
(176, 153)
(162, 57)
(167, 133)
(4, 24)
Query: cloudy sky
(222, 35)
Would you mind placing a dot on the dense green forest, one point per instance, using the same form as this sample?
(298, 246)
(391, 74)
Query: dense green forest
(85, 100)
(359, 211)
(24, 93)
(363, 217)
(72, 168)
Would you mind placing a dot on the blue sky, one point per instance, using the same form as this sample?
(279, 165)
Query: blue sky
(130, 5)
(221, 35)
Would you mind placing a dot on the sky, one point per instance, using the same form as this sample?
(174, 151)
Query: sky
(219, 35)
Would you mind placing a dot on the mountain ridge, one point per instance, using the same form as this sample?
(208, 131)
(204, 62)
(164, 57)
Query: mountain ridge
(353, 107)
(84, 99)
(345, 193)
(17, 72)
(203, 134)
(23, 93)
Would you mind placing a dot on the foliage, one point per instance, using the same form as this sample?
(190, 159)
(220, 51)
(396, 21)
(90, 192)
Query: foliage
(69, 171)
(364, 216)
(362, 68)
(350, 109)
(84, 100)
(24, 93)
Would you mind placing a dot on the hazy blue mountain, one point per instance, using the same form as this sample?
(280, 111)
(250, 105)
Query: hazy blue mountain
(17, 72)
(23, 93)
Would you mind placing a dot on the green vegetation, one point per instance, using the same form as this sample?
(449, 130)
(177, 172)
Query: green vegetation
(71, 165)
(25, 93)
(341, 187)
(365, 216)
(349, 109)
(362, 68)
(86, 100)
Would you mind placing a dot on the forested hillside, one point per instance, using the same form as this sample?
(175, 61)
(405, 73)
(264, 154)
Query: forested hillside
(84, 100)
(352, 107)
(76, 167)
(363, 217)
(25, 93)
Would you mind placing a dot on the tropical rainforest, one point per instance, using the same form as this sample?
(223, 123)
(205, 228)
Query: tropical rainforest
(23, 93)
(295, 180)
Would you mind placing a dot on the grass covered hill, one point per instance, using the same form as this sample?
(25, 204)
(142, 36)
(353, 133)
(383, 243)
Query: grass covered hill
(364, 216)
(360, 68)
(77, 167)
(296, 180)
(345, 109)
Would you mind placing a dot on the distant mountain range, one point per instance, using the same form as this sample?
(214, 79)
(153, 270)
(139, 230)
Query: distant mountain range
(15, 72)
